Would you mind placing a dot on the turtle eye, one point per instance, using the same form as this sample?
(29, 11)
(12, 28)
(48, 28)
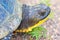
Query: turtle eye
(42, 12)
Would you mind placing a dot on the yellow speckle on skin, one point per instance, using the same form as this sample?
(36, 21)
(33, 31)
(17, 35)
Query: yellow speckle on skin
(30, 28)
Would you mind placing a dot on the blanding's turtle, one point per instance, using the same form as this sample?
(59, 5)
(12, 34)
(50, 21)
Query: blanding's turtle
(12, 14)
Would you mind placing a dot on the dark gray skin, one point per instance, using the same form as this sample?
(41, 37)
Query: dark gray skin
(34, 14)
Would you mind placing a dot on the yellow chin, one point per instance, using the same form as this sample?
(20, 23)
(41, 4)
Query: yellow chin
(30, 28)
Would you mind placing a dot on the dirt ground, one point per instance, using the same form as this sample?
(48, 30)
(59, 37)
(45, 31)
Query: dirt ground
(53, 25)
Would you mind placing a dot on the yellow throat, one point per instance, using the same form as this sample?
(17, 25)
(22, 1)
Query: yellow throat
(30, 28)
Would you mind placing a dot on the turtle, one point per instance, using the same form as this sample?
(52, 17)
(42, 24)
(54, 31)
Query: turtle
(10, 16)
(21, 18)
(33, 16)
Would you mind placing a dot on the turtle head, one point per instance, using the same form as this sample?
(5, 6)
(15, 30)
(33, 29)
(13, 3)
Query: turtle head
(31, 15)
(37, 12)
